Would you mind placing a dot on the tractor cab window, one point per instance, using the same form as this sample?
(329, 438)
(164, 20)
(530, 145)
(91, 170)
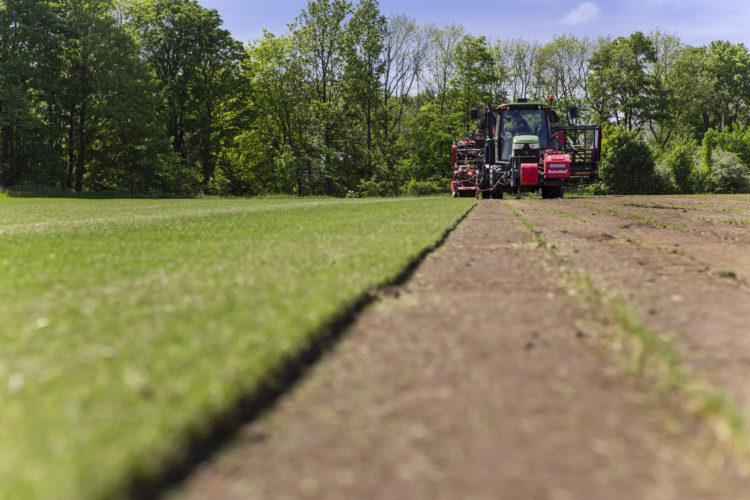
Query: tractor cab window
(513, 122)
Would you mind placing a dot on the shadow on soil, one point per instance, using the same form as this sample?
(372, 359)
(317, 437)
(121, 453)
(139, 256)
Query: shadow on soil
(223, 427)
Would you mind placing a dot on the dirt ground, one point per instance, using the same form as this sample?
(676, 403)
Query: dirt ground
(486, 375)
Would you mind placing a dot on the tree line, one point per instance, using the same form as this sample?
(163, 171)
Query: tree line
(155, 96)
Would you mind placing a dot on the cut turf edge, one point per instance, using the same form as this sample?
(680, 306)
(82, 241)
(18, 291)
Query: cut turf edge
(222, 427)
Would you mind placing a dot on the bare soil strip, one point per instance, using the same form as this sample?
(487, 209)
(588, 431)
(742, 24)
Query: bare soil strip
(696, 308)
(736, 204)
(725, 255)
(680, 219)
(481, 377)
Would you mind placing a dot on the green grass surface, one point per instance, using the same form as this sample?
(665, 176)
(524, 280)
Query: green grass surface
(126, 324)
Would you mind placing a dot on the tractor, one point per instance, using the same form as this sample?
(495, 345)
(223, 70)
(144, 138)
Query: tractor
(521, 147)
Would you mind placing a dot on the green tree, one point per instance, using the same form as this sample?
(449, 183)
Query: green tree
(735, 140)
(665, 116)
(428, 137)
(440, 62)
(564, 69)
(363, 70)
(195, 63)
(619, 85)
(729, 67)
(267, 151)
(319, 35)
(713, 87)
(475, 72)
(404, 49)
(521, 60)
(112, 134)
(30, 79)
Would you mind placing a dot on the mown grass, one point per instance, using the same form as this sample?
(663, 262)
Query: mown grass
(125, 325)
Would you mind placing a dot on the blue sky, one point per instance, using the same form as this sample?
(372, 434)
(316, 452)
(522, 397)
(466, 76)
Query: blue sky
(696, 22)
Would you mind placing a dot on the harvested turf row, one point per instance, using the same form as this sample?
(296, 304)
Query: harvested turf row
(682, 221)
(700, 251)
(703, 205)
(704, 210)
(720, 257)
(702, 317)
(478, 378)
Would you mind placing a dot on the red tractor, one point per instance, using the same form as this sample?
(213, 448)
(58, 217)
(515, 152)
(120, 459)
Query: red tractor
(523, 148)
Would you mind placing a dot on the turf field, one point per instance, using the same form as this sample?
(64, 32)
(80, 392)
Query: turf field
(126, 325)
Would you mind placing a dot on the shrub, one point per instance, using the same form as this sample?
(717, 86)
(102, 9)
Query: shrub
(728, 173)
(664, 181)
(250, 165)
(735, 140)
(728, 177)
(376, 187)
(595, 189)
(681, 163)
(421, 188)
(627, 163)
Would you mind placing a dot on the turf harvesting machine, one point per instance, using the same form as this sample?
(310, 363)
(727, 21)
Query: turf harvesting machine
(521, 147)
(466, 158)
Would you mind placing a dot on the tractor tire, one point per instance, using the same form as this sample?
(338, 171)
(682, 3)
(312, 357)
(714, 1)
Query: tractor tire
(485, 195)
(552, 191)
(484, 179)
(497, 188)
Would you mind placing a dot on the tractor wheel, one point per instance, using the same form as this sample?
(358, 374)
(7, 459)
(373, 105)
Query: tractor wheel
(552, 192)
(497, 193)
(485, 195)
(455, 193)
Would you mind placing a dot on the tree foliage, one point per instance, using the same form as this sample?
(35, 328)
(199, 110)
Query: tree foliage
(627, 163)
(728, 173)
(195, 64)
(620, 87)
(154, 95)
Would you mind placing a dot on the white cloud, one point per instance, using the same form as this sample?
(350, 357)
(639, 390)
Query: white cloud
(584, 13)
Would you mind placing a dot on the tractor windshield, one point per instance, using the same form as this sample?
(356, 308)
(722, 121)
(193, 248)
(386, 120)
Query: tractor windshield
(513, 122)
